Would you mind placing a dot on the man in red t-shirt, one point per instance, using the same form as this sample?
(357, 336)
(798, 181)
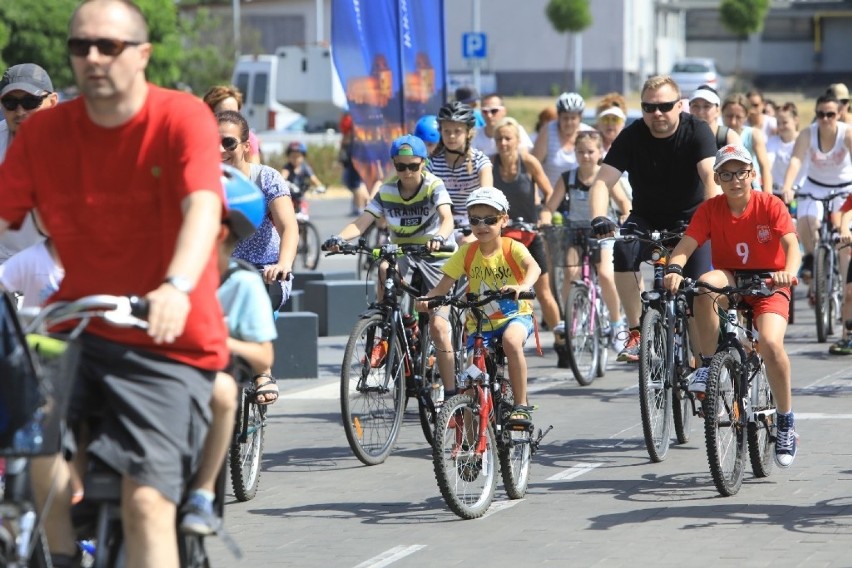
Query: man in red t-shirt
(750, 231)
(128, 185)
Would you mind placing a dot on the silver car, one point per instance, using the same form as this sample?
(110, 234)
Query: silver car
(691, 73)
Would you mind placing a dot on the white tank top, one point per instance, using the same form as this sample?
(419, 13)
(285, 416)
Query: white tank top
(831, 168)
(779, 154)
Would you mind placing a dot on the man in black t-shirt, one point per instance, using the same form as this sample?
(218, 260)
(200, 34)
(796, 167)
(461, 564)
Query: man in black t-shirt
(669, 159)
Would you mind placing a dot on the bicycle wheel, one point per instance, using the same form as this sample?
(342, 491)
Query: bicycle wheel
(822, 293)
(465, 466)
(681, 403)
(514, 448)
(583, 342)
(760, 449)
(604, 330)
(557, 277)
(309, 245)
(246, 450)
(723, 431)
(192, 552)
(372, 390)
(430, 387)
(654, 392)
(365, 266)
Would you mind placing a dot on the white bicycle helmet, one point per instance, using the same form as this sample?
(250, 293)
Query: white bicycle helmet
(570, 102)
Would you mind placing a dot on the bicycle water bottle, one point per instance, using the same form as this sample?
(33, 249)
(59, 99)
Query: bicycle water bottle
(412, 332)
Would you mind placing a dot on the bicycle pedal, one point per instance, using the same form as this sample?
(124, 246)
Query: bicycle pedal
(520, 425)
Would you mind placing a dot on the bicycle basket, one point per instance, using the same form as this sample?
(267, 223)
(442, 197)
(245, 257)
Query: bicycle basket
(31, 408)
(560, 237)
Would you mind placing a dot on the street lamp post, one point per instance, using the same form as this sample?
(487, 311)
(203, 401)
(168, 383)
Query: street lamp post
(236, 17)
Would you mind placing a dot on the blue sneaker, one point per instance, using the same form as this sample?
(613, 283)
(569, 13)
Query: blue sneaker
(786, 441)
(199, 517)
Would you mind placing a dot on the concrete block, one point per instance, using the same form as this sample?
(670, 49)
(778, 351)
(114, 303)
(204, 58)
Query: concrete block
(296, 347)
(301, 279)
(295, 303)
(337, 303)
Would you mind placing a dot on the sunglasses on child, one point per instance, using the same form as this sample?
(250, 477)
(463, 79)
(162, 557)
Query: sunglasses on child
(651, 108)
(230, 143)
(29, 102)
(400, 167)
(491, 220)
(80, 47)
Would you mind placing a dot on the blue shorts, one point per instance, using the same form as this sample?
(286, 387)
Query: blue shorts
(524, 320)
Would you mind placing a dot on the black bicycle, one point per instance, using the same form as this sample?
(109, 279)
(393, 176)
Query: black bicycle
(666, 360)
(475, 427)
(386, 361)
(827, 281)
(246, 451)
(98, 518)
(739, 409)
(308, 251)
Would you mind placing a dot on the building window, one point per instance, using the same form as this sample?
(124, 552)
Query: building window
(787, 28)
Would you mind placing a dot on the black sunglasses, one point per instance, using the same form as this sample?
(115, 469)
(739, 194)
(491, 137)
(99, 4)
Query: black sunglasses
(229, 143)
(410, 167)
(491, 220)
(651, 108)
(830, 114)
(29, 102)
(80, 47)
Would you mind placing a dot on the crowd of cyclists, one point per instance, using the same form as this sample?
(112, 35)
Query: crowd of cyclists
(208, 248)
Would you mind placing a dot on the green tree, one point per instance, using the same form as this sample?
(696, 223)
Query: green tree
(35, 32)
(205, 40)
(742, 18)
(571, 17)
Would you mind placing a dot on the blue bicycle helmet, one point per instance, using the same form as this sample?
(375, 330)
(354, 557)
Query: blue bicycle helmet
(427, 129)
(297, 147)
(246, 203)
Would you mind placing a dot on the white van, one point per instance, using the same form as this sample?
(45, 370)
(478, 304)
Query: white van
(295, 89)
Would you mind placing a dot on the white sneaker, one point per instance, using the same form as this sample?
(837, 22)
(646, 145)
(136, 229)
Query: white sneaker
(698, 385)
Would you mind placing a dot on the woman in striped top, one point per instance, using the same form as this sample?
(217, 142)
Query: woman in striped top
(461, 167)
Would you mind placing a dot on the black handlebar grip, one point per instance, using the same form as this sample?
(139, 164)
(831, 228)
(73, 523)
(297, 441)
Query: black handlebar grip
(139, 307)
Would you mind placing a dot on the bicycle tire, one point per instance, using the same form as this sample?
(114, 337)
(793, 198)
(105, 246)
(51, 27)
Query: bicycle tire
(723, 431)
(583, 344)
(430, 379)
(309, 245)
(604, 329)
(681, 403)
(365, 266)
(245, 457)
(557, 279)
(467, 480)
(372, 398)
(654, 387)
(514, 449)
(191, 551)
(760, 445)
(822, 293)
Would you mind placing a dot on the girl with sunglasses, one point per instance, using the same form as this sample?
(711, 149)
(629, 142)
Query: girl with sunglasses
(272, 248)
(824, 147)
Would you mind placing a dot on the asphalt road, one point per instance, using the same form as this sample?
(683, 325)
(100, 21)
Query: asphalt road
(595, 499)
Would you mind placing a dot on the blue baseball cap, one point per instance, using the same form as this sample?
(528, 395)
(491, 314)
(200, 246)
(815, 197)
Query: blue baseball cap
(416, 147)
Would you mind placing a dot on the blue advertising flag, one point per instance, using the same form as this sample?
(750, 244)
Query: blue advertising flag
(390, 57)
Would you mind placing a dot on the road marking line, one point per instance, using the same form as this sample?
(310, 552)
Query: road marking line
(821, 416)
(388, 557)
(574, 471)
(498, 506)
(330, 391)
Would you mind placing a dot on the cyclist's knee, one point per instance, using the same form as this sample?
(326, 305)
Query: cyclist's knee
(224, 397)
(144, 508)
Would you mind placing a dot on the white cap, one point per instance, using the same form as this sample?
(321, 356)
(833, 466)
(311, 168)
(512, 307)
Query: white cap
(732, 152)
(490, 196)
(613, 110)
(708, 96)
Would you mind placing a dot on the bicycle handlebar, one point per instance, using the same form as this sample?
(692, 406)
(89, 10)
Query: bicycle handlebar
(119, 311)
(833, 194)
(472, 300)
(758, 286)
(387, 251)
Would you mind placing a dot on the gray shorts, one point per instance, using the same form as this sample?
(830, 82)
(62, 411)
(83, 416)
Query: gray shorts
(149, 415)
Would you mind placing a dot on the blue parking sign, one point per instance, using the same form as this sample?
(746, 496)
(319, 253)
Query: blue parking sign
(474, 45)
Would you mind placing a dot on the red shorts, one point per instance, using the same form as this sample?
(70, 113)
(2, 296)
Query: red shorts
(777, 303)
